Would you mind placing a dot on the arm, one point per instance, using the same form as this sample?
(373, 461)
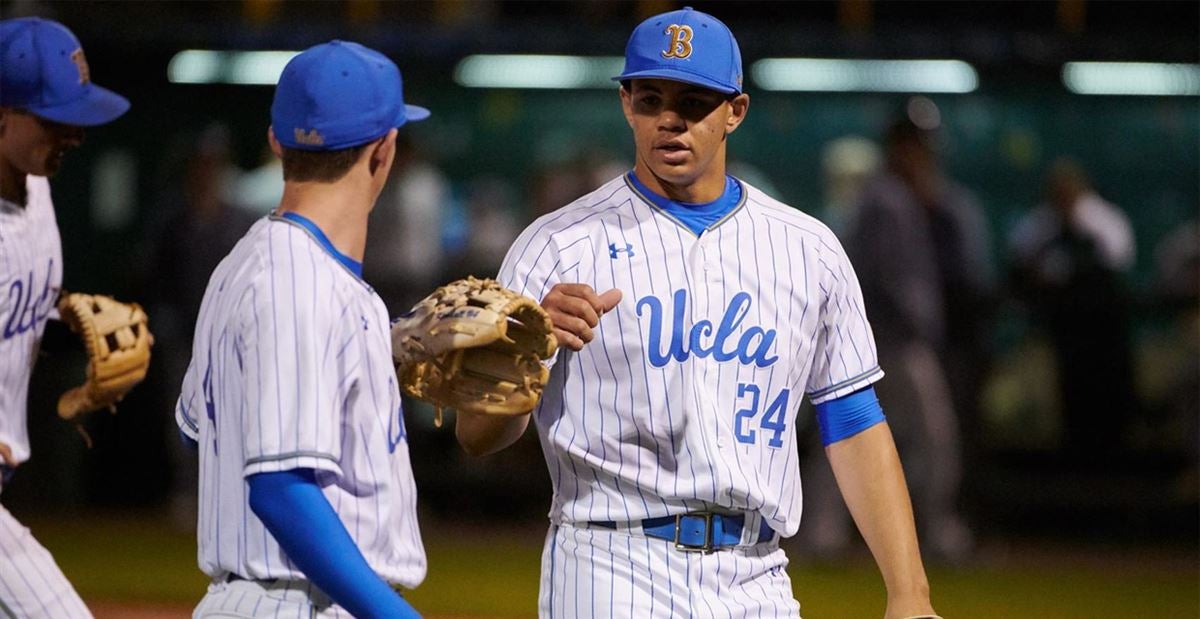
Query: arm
(299, 517)
(481, 435)
(868, 473)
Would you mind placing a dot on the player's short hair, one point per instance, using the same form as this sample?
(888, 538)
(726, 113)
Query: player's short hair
(325, 166)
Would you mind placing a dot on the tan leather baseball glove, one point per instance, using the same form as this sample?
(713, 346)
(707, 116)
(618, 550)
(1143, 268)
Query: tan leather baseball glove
(117, 341)
(476, 346)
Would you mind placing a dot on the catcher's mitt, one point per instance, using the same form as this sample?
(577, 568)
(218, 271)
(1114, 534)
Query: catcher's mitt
(118, 343)
(476, 346)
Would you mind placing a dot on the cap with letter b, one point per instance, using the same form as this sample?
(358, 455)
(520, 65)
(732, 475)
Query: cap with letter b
(338, 95)
(44, 72)
(685, 46)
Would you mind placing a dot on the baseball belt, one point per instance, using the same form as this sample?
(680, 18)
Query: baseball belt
(696, 531)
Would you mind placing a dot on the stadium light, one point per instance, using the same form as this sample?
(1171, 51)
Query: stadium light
(1131, 78)
(537, 71)
(205, 66)
(839, 75)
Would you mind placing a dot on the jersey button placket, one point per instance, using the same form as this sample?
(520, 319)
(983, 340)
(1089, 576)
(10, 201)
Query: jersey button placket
(709, 265)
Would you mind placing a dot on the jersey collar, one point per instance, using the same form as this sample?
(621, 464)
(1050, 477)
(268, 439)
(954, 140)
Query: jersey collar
(666, 206)
(306, 223)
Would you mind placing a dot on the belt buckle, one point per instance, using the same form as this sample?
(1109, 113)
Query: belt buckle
(707, 546)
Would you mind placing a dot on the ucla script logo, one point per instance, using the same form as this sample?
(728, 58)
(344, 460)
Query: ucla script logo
(754, 345)
(29, 309)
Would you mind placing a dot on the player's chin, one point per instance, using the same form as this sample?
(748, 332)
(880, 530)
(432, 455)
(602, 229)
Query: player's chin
(675, 171)
(49, 167)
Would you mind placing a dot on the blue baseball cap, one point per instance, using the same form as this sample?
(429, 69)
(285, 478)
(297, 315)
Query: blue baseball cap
(338, 95)
(43, 71)
(685, 46)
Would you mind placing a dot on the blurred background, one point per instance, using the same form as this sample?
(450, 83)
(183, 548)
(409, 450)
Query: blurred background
(1017, 183)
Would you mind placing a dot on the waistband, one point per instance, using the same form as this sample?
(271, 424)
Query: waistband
(695, 531)
(301, 592)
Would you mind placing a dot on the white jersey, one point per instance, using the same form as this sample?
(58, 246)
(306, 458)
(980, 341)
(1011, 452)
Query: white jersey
(30, 279)
(686, 399)
(292, 368)
(31, 583)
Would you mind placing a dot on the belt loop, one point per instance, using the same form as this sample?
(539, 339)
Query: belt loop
(750, 522)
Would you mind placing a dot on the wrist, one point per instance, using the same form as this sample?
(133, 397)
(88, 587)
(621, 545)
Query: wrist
(909, 604)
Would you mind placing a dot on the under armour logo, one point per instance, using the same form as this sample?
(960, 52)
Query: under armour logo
(681, 41)
(309, 138)
(613, 250)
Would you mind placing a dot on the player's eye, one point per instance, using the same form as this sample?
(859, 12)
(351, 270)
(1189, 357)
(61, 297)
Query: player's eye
(648, 101)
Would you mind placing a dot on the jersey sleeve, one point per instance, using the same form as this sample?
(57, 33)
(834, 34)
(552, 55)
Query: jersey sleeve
(533, 265)
(301, 346)
(845, 356)
(186, 406)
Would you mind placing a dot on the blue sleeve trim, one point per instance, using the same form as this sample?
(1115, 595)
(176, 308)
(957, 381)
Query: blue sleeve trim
(300, 518)
(841, 418)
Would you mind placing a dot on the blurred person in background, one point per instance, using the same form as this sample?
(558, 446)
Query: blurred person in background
(919, 243)
(847, 164)
(257, 191)
(1177, 288)
(46, 99)
(1070, 256)
(405, 256)
(199, 228)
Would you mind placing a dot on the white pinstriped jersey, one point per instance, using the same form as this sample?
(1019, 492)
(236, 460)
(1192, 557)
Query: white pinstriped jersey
(31, 584)
(292, 368)
(687, 397)
(30, 279)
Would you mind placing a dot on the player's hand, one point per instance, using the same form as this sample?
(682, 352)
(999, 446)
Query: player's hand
(909, 607)
(7, 466)
(575, 309)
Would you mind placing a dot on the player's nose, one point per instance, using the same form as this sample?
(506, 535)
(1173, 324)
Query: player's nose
(671, 120)
(71, 136)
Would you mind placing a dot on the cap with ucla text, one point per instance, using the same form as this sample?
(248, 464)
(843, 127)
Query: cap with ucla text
(43, 71)
(685, 46)
(337, 95)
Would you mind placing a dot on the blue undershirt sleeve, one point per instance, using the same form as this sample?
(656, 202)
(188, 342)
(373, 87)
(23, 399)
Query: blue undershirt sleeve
(848, 415)
(300, 518)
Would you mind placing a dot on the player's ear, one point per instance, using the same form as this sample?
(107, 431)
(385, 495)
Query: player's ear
(627, 105)
(276, 147)
(738, 106)
(382, 153)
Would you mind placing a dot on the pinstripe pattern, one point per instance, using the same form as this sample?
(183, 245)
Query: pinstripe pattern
(686, 398)
(298, 356)
(627, 439)
(31, 584)
(30, 278)
(285, 599)
(611, 574)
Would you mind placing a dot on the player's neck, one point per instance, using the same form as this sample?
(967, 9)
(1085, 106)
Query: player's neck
(12, 183)
(339, 211)
(706, 188)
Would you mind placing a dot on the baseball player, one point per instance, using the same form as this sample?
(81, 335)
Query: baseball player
(669, 426)
(46, 99)
(308, 506)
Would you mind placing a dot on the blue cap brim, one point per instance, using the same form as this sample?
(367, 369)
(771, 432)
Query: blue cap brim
(414, 113)
(678, 76)
(97, 107)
